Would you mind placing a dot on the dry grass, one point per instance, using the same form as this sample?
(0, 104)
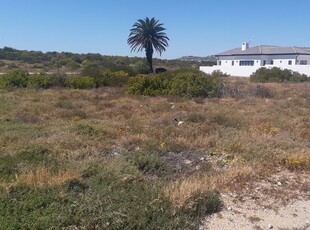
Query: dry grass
(232, 178)
(236, 136)
(44, 177)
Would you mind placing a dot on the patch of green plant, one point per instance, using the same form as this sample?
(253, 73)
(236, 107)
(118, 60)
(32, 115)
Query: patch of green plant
(147, 162)
(185, 83)
(112, 194)
(276, 74)
(15, 78)
(202, 204)
(81, 82)
(27, 159)
(40, 81)
(91, 130)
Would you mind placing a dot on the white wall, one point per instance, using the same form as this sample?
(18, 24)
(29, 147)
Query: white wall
(239, 71)
(246, 71)
(280, 61)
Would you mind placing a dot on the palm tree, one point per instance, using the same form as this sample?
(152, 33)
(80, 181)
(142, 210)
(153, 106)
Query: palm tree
(148, 34)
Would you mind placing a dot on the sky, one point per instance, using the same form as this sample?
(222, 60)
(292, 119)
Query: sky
(194, 27)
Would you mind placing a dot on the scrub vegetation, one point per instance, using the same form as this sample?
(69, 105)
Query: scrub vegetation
(102, 158)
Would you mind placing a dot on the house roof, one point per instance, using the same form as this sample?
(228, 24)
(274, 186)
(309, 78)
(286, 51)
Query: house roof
(266, 50)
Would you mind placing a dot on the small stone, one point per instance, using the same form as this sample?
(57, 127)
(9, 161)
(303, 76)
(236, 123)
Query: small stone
(180, 123)
(229, 208)
(270, 226)
(279, 183)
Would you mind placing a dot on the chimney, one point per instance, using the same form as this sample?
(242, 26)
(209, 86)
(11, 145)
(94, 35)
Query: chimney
(244, 46)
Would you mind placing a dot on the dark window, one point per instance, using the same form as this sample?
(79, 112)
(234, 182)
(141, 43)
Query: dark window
(264, 62)
(246, 63)
(290, 62)
(232, 63)
(303, 62)
(220, 62)
(271, 62)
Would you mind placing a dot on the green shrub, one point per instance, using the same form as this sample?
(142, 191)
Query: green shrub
(276, 74)
(185, 83)
(59, 80)
(194, 84)
(116, 78)
(146, 162)
(40, 81)
(16, 78)
(218, 73)
(78, 82)
(297, 77)
(141, 67)
(202, 204)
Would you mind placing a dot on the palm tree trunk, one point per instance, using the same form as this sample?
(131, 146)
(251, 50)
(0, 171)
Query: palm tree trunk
(149, 56)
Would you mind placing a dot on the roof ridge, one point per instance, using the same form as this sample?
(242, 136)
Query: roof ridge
(294, 49)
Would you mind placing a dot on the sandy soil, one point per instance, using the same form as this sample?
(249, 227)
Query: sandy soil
(281, 202)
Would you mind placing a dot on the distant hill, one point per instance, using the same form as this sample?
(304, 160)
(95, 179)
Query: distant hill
(210, 58)
(37, 61)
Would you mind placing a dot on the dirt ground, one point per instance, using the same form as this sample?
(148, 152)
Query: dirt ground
(281, 202)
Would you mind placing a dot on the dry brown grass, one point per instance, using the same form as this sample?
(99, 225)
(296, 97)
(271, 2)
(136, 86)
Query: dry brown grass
(236, 136)
(232, 178)
(43, 177)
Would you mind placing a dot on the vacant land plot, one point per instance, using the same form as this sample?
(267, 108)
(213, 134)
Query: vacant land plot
(101, 159)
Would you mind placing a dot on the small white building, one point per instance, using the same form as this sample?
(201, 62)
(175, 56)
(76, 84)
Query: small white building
(245, 60)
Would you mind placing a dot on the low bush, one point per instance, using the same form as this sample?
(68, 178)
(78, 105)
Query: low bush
(148, 163)
(261, 91)
(276, 74)
(141, 67)
(16, 78)
(218, 73)
(186, 83)
(78, 82)
(40, 81)
(201, 204)
(116, 78)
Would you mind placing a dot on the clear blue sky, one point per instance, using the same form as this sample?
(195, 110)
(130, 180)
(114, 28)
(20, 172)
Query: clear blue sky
(195, 27)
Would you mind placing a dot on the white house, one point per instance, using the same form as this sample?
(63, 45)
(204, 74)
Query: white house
(245, 60)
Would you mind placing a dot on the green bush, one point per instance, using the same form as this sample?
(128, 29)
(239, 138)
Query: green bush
(276, 74)
(297, 77)
(185, 83)
(202, 204)
(218, 73)
(81, 82)
(116, 78)
(40, 81)
(141, 67)
(16, 78)
(194, 84)
(146, 162)
(59, 80)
